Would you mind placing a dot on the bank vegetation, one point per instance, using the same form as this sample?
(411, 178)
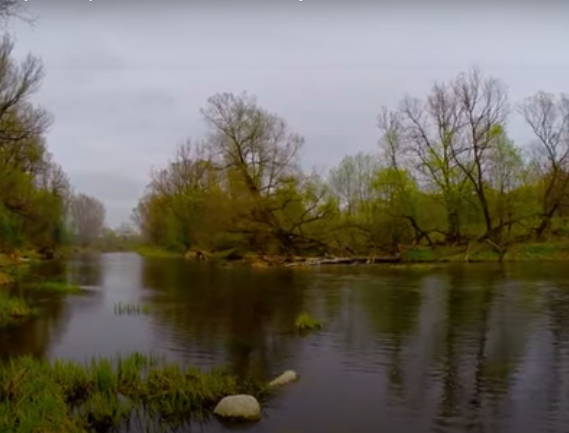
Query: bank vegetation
(446, 174)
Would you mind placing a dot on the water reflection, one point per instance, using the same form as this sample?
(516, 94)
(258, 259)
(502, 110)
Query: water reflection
(458, 348)
(238, 316)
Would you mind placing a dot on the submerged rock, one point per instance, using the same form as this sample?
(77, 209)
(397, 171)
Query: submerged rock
(239, 408)
(285, 378)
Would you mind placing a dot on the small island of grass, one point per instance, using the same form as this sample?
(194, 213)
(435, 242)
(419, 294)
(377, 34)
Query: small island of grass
(14, 310)
(61, 287)
(305, 322)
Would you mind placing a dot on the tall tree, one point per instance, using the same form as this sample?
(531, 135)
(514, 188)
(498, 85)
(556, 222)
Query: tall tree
(259, 151)
(482, 108)
(431, 130)
(548, 118)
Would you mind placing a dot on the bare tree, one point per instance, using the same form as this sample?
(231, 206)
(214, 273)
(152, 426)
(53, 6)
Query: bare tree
(451, 135)
(258, 147)
(11, 9)
(87, 219)
(191, 170)
(548, 118)
(482, 105)
(392, 145)
(352, 182)
(252, 141)
(21, 124)
(431, 130)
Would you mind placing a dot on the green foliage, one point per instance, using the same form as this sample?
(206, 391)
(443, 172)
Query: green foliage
(446, 173)
(33, 189)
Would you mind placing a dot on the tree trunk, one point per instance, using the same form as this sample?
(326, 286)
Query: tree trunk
(545, 222)
(453, 220)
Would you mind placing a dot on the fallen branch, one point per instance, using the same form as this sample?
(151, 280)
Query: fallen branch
(345, 261)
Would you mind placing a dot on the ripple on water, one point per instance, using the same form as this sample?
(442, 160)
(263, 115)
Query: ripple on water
(482, 348)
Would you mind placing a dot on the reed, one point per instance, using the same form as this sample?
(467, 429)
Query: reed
(103, 395)
(131, 309)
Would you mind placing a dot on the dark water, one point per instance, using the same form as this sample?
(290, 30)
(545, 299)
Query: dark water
(481, 348)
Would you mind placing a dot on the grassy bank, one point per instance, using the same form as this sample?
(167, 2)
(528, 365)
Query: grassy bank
(521, 252)
(38, 396)
(13, 265)
(151, 251)
(552, 250)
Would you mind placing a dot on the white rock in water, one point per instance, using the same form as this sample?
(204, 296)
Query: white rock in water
(239, 407)
(287, 377)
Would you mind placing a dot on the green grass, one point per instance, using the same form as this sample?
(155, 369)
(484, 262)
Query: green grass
(482, 252)
(305, 322)
(538, 251)
(38, 396)
(58, 287)
(131, 309)
(419, 254)
(14, 310)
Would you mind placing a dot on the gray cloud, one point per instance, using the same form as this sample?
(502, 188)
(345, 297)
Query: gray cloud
(125, 80)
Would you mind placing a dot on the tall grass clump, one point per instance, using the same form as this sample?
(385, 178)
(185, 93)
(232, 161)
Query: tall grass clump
(31, 400)
(14, 310)
(68, 397)
(305, 322)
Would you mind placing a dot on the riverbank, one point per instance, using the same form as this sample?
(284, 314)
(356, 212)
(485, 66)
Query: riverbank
(557, 250)
(478, 252)
(12, 265)
(14, 308)
(68, 397)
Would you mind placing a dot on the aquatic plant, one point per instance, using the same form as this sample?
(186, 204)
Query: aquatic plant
(61, 287)
(69, 397)
(14, 310)
(131, 309)
(305, 322)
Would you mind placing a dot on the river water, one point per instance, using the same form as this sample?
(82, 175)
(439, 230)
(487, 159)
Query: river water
(410, 349)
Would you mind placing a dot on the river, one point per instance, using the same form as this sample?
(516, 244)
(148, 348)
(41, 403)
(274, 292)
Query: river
(403, 349)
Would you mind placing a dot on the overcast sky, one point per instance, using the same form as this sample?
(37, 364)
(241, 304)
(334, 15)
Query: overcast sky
(126, 79)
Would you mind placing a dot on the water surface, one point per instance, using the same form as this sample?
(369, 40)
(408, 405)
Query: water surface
(458, 348)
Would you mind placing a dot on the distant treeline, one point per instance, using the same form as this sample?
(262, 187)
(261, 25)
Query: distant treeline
(446, 172)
